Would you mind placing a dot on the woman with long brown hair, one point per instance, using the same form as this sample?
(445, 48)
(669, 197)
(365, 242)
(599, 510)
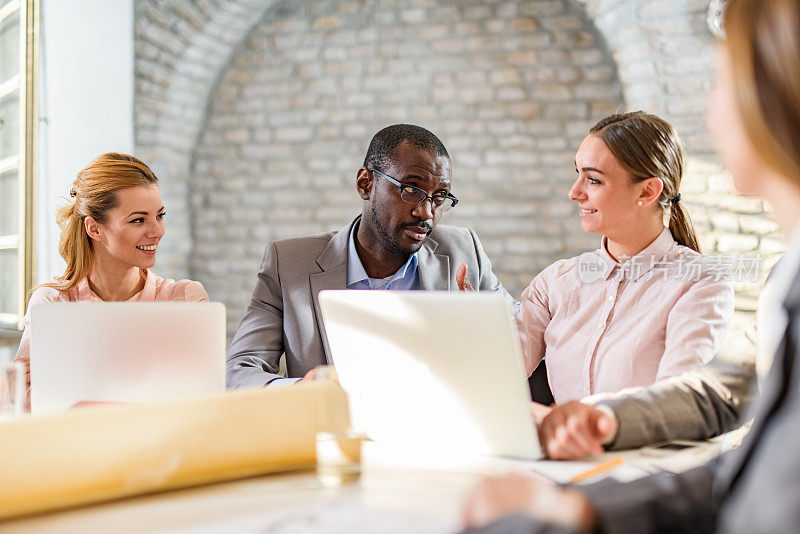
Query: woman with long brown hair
(644, 306)
(754, 121)
(110, 231)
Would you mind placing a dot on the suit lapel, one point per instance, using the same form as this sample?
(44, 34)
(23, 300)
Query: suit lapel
(434, 269)
(333, 262)
(434, 272)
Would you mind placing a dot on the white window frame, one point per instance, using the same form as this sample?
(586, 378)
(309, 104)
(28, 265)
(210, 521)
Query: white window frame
(24, 161)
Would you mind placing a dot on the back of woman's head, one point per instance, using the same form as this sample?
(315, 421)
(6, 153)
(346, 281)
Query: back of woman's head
(94, 194)
(763, 39)
(647, 146)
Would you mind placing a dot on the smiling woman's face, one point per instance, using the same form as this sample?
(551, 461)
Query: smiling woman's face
(132, 231)
(606, 195)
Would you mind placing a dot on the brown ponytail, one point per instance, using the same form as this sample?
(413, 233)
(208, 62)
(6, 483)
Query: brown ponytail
(93, 193)
(646, 146)
(680, 224)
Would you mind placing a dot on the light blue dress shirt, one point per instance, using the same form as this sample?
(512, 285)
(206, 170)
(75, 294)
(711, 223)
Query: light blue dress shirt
(406, 277)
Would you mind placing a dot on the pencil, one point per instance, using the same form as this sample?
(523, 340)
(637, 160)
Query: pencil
(599, 468)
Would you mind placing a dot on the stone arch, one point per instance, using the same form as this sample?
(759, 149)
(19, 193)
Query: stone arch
(510, 88)
(181, 47)
(664, 54)
(651, 55)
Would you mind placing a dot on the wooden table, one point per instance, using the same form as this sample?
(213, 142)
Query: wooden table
(402, 497)
(383, 501)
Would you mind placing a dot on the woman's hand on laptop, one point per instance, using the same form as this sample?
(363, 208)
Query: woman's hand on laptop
(525, 493)
(574, 429)
(461, 278)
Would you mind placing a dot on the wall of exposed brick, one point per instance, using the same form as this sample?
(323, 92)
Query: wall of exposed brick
(181, 48)
(257, 114)
(510, 89)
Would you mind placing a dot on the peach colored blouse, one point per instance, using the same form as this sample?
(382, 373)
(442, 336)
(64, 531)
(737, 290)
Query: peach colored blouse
(602, 326)
(155, 289)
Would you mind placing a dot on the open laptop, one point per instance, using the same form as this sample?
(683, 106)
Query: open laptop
(87, 352)
(431, 369)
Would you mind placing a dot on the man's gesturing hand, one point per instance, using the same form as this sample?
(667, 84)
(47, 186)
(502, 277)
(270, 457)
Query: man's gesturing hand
(461, 278)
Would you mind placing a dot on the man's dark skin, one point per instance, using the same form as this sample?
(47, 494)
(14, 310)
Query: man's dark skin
(391, 229)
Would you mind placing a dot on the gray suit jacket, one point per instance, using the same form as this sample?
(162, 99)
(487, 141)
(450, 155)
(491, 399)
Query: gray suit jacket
(284, 316)
(754, 488)
(698, 404)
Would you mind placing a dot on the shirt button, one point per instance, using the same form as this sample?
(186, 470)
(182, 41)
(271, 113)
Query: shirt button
(610, 299)
(601, 326)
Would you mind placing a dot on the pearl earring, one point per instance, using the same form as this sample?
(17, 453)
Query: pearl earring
(640, 202)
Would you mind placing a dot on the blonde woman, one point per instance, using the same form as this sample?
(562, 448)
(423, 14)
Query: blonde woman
(644, 306)
(110, 232)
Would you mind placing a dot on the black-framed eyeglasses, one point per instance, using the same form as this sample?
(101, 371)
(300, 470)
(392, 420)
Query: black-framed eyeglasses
(412, 194)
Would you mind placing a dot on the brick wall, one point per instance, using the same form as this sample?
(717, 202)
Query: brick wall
(257, 114)
(181, 48)
(510, 88)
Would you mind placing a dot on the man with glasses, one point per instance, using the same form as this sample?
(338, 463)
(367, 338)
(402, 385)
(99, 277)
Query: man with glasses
(394, 244)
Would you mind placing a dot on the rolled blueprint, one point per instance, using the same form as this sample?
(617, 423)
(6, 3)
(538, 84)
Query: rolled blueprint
(100, 453)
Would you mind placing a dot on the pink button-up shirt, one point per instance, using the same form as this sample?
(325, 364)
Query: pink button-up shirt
(603, 326)
(155, 289)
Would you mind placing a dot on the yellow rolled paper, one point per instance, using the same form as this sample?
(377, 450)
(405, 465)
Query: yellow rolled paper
(101, 453)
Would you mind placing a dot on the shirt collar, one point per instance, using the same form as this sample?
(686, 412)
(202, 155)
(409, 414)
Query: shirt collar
(85, 291)
(147, 293)
(355, 269)
(640, 264)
